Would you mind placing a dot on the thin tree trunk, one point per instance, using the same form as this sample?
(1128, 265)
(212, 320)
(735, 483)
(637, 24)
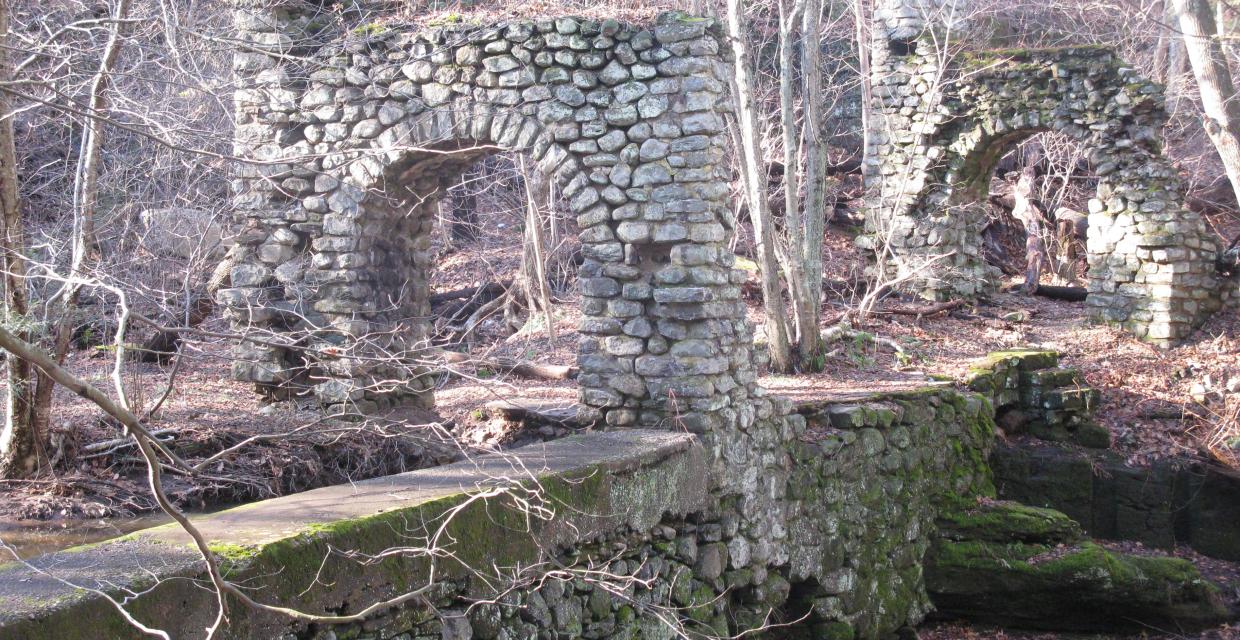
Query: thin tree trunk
(86, 207)
(1176, 61)
(815, 186)
(1218, 94)
(463, 212)
(86, 181)
(794, 227)
(755, 187)
(1026, 210)
(535, 274)
(19, 440)
(863, 71)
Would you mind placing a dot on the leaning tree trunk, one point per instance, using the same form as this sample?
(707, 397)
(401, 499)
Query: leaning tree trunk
(755, 190)
(533, 280)
(19, 442)
(1218, 95)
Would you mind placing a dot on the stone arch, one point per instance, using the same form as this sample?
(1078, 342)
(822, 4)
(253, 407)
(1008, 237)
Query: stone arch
(373, 262)
(360, 138)
(1151, 258)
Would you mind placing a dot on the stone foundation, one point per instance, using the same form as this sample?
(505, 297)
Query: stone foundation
(861, 518)
(641, 536)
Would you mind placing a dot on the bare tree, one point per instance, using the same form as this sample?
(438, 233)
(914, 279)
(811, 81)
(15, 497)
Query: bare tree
(1030, 214)
(815, 215)
(753, 176)
(1218, 94)
(18, 441)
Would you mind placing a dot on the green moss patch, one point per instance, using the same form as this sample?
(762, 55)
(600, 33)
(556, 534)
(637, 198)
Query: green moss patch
(1008, 522)
(1083, 588)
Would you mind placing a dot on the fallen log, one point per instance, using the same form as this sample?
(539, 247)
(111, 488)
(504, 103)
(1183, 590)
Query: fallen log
(1071, 294)
(519, 368)
(163, 345)
(927, 310)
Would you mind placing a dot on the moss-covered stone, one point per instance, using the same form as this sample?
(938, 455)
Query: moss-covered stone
(1004, 521)
(1085, 587)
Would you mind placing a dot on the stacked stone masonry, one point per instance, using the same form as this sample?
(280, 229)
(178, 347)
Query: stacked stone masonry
(356, 136)
(1032, 394)
(938, 131)
(361, 131)
(641, 539)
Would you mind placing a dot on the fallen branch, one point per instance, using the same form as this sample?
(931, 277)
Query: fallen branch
(488, 290)
(844, 331)
(519, 368)
(927, 310)
(122, 442)
(482, 313)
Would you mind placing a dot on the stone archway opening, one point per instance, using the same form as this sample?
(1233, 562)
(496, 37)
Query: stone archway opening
(1059, 182)
(507, 257)
(416, 209)
(377, 259)
(1031, 181)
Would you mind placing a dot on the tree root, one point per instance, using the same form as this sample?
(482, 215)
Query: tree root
(843, 330)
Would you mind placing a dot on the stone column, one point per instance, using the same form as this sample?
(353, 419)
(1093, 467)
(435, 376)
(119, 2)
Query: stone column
(271, 35)
(666, 343)
(934, 253)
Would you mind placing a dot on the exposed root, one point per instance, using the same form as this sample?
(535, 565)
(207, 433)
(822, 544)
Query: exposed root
(843, 330)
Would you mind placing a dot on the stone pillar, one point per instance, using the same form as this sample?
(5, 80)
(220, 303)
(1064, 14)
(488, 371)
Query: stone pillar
(933, 251)
(1151, 258)
(271, 35)
(668, 350)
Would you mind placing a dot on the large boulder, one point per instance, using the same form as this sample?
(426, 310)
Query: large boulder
(1013, 565)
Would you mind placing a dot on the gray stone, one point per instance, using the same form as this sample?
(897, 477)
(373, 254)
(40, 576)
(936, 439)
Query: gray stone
(614, 73)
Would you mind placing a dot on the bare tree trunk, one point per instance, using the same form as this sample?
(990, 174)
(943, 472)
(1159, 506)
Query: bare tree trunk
(463, 215)
(85, 240)
(18, 441)
(1026, 210)
(789, 253)
(863, 71)
(755, 188)
(534, 258)
(1218, 94)
(815, 216)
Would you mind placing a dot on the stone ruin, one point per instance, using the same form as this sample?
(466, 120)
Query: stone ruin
(937, 132)
(359, 136)
(356, 136)
(846, 517)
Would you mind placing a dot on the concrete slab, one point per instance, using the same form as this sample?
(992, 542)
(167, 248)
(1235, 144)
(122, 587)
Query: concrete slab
(48, 587)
